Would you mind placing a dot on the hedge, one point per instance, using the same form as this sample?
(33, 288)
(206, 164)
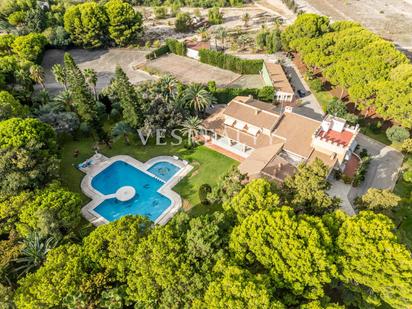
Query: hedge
(229, 62)
(176, 47)
(164, 49)
(225, 95)
(172, 45)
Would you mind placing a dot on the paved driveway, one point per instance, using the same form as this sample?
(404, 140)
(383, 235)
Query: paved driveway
(103, 61)
(341, 190)
(384, 167)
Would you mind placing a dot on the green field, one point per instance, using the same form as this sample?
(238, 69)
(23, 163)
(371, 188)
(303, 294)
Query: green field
(209, 165)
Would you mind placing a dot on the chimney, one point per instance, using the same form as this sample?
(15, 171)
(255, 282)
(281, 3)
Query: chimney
(288, 109)
(257, 111)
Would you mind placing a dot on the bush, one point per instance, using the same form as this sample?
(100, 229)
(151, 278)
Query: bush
(211, 86)
(214, 16)
(225, 95)
(160, 12)
(407, 176)
(164, 49)
(316, 85)
(176, 47)
(229, 62)
(266, 94)
(204, 190)
(182, 22)
(397, 134)
(407, 145)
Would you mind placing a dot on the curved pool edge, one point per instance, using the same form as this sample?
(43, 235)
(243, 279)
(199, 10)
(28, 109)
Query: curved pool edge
(166, 189)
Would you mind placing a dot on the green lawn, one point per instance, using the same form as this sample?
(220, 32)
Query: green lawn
(208, 165)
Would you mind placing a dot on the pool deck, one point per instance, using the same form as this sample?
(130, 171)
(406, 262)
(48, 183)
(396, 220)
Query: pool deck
(166, 190)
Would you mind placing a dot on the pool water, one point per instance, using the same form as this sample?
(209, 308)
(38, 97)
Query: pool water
(164, 170)
(147, 201)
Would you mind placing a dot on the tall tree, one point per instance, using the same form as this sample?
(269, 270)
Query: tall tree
(91, 79)
(198, 98)
(83, 99)
(37, 75)
(256, 195)
(59, 73)
(125, 24)
(127, 97)
(28, 154)
(86, 23)
(373, 263)
(295, 251)
(306, 189)
(378, 200)
(10, 106)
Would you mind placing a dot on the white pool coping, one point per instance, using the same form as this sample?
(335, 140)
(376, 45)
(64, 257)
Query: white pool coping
(166, 189)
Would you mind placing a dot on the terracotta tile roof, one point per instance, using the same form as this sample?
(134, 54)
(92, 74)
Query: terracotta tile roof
(254, 112)
(279, 168)
(342, 138)
(328, 159)
(278, 77)
(259, 159)
(297, 130)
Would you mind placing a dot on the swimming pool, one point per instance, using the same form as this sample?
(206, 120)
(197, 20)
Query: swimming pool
(143, 200)
(164, 170)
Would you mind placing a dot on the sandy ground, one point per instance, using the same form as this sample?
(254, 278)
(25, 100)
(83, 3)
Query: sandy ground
(392, 19)
(189, 70)
(102, 61)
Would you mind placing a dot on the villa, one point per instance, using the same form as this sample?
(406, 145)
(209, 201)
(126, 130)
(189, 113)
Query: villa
(272, 143)
(273, 75)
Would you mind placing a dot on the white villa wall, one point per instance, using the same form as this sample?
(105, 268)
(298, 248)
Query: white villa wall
(192, 53)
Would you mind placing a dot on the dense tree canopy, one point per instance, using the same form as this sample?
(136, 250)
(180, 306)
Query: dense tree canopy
(125, 25)
(373, 71)
(373, 263)
(10, 106)
(28, 154)
(29, 46)
(306, 189)
(296, 251)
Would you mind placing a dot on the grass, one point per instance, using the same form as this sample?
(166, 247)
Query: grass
(209, 165)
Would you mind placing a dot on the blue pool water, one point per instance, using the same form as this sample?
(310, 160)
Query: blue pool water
(147, 201)
(164, 170)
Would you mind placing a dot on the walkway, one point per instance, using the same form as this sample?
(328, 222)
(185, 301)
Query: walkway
(224, 152)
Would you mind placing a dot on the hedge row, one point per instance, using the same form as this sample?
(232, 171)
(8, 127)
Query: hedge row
(164, 49)
(176, 47)
(225, 95)
(229, 62)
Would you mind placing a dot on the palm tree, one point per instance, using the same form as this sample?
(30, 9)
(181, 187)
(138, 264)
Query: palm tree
(59, 73)
(122, 129)
(66, 99)
(191, 127)
(168, 85)
(197, 97)
(37, 75)
(204, 34)
(34, 253)
(91, 79)
(246, 19)
(221, 34)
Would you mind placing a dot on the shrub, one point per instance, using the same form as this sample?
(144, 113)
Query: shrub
(407, 145)
(215, 16)
(160, 12)
(397, 134)
(266, 94)
(211, 86)
(407, 176)
(182, 22)
(164, 49)
(229, 62)
(316, 84)
(225, 95)
(204, 190)
(176, 47)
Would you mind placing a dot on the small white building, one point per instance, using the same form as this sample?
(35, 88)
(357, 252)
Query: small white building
(273, 75)
(193, 48)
